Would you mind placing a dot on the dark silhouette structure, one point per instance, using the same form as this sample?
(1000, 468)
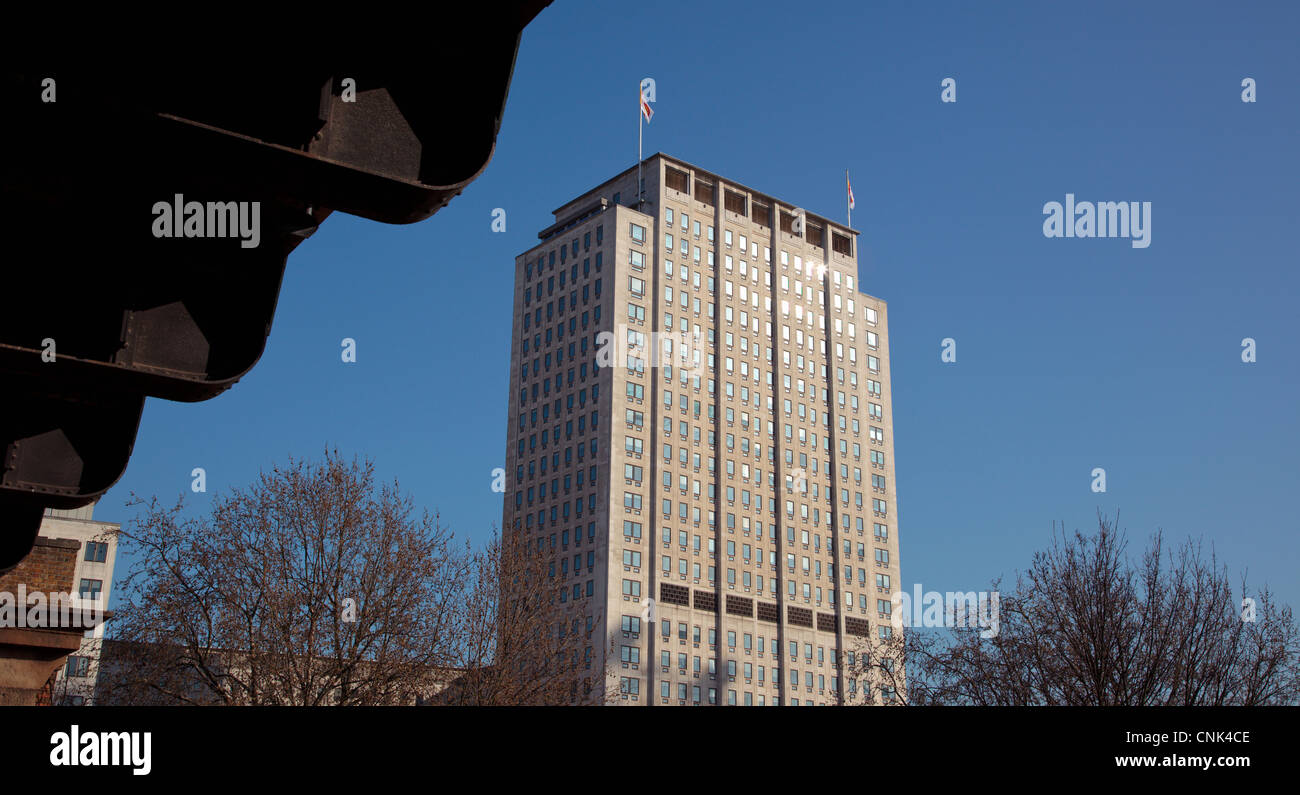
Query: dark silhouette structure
(160, 206)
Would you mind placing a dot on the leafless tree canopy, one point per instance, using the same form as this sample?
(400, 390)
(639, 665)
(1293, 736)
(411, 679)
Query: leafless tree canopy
(520, 645)
(316, 586)
(1087, 626)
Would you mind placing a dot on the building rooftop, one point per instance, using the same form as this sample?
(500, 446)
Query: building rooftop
(569, 206)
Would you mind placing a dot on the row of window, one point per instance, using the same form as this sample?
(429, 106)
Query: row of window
(630, 689)
(746, 246)
(882, 581)
(556, 333)
(568, 403)
(881, 533)
(535, 317)
(546, 259)
(751, 642)
(550, 283)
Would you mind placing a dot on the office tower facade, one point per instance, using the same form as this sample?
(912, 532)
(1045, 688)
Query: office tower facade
(700, 415)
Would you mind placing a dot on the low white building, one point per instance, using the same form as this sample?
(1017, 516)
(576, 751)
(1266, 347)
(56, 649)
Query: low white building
(93, 580)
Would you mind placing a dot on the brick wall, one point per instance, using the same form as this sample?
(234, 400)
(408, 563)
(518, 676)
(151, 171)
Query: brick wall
(30, 658)
(49, 568)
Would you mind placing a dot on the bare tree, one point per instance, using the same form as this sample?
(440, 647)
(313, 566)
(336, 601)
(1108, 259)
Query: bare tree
(524, 643)
(1087, 626)
(314, 586)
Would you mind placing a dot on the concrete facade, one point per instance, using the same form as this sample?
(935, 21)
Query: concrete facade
(74, 683)
(748, 489)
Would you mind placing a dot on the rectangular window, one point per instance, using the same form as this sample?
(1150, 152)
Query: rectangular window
(78, 666)
(96, 551)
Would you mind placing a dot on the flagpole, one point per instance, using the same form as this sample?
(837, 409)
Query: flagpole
(847, 199)
(640, 119)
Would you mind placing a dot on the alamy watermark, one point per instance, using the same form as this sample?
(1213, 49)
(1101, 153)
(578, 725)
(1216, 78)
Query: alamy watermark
(180, 218)
(639, 350)
(1101, 219)
(75, 748)
(54, 610)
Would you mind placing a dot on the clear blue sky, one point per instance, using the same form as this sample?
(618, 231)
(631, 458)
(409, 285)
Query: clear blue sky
(1072, 354)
